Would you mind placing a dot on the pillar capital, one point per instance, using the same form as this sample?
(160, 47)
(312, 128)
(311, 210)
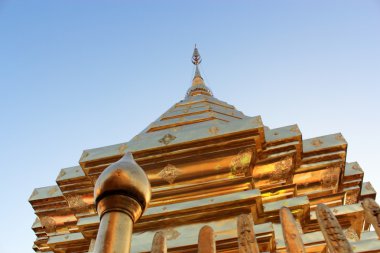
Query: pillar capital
(123, 186)
(122, 193)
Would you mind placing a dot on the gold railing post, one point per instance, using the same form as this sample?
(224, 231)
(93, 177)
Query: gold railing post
(332, 231)
(372, 214)
(206, 240)
(122, 193)
(246, 234)
(292, 237)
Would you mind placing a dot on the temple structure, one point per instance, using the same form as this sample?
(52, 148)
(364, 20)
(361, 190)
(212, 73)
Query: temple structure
(220, 181)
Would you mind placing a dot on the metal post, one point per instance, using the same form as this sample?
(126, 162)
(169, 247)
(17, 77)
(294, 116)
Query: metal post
(122, 193)
(292, 237)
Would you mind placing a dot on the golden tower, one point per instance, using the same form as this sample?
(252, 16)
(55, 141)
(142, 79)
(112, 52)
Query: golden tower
(211, 180)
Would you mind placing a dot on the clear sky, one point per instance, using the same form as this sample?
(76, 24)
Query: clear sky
(83, 74)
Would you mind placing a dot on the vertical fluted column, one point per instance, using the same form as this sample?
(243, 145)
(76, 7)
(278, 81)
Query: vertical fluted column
(122, 193)
(292, 237)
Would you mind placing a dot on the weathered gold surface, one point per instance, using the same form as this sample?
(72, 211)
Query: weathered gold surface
(159, 243)
(372, 214)
(292, 236)
(332, 231)
(246, 235)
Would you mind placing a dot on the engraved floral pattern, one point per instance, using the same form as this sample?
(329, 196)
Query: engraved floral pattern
(356, 167)
(329, 179)
(61, 174)
(351, 234)
(281, 169)
(317, 143)
(240, 163)
(352, 198)
(169, 173)
(75, 201)
(48, 223)
(167, 139)
(213, 130)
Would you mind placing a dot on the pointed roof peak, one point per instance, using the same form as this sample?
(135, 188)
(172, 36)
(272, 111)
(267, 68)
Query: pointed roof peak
(198, 86)
(196, 59)
(197, 72)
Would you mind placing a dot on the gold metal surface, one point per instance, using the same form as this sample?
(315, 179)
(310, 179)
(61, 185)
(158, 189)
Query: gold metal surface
(332, 231)
(125, 177)
(246, 234)
(292, 236)
(122, 192)
(115, 232)
(372, 214)
(207, 163)
(206, 240)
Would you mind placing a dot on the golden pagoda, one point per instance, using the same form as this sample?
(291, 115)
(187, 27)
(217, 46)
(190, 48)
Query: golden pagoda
(206, 178)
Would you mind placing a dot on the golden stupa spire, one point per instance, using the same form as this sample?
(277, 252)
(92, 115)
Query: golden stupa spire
(196, 60)
(198, 86)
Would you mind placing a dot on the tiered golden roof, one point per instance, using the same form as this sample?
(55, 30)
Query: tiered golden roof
(208, 163)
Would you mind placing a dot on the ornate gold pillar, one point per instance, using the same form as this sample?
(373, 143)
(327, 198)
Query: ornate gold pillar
(246, 234)
(122, 193)
(292, 237)
(332, 231)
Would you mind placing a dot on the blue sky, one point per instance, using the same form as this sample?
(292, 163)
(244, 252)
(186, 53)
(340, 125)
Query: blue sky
(84, 74)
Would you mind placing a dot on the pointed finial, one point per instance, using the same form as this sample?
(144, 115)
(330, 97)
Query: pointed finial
(198, 86)
(196, 59)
